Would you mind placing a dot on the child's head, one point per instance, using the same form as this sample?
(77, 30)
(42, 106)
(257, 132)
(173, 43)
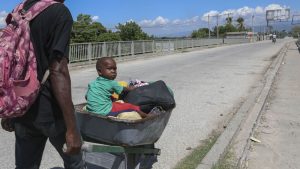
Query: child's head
(107, 68)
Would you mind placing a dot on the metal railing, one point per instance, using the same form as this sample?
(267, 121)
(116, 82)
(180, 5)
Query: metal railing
(81, 52)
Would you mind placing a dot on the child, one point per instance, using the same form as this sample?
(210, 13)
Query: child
(100, 90)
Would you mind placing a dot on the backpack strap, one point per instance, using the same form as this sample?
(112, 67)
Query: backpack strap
(36, 9)
(19, 13)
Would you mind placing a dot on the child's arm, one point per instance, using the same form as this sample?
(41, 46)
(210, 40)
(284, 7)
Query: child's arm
(128, 88)
(125, 91)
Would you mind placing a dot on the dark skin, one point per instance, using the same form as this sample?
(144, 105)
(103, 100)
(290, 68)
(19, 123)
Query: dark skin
(107, 68)
(61, 87)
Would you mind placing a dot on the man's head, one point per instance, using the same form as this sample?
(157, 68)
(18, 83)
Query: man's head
(107, 68)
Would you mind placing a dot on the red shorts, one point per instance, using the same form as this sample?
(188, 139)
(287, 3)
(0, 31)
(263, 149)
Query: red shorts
(118, 108)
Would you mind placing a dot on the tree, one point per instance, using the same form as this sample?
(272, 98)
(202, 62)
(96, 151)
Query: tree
(84, 19)
(131, 31)
(222, 30)
(229, 20)
(109, 36)
(229, 26)
(240, 25)
(85, 30)
(200, 33)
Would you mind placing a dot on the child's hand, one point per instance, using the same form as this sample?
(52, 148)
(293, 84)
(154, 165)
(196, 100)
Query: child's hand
(129, 88)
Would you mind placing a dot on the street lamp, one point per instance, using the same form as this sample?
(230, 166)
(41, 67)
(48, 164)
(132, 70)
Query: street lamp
(252, 28)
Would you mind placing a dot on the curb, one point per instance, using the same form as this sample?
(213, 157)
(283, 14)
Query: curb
(242, 142)
(240, 127)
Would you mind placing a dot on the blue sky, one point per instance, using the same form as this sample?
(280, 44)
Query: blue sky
(168, 16)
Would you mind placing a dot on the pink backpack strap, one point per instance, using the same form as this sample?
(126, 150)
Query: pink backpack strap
(36, 9)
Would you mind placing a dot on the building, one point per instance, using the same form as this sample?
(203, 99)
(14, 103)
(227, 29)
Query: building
(240, 35)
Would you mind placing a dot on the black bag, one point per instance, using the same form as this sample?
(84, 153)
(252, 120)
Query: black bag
(150, 96)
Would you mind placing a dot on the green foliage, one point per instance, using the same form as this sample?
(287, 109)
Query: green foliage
(200, 33)
(241, 25)
(85, 30)
(229, 26)
(131, 31)
(222, 31)
(109, 36)
(195, 157)
(84, 19)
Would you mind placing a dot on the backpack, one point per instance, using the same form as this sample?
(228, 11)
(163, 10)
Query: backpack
(19, 86)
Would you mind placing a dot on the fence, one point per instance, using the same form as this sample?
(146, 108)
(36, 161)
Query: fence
(91, 51)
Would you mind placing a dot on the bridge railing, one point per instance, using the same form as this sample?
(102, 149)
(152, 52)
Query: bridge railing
(81, 52)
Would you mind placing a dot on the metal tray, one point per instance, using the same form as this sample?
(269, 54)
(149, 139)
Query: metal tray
(113, 131)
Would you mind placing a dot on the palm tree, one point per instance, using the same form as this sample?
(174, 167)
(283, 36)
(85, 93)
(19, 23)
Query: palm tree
(240, 26)
(229, 20)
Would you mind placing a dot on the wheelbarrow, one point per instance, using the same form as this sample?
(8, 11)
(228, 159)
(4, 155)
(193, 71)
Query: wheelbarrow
(125, 143)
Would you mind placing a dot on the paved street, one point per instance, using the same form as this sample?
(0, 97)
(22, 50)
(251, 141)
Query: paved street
(279, 127)
(206, 83)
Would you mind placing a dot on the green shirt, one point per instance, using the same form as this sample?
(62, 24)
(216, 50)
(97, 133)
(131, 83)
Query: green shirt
(99, 95)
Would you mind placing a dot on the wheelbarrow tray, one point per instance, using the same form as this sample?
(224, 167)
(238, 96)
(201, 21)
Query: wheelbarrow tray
(113, 131)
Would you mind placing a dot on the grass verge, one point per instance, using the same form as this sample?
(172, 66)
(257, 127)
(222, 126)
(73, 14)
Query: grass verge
(195, 157)
(226, 162)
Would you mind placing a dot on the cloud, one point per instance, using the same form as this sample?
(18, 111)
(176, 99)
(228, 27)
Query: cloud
(167, 25)
(95, 18)
(159, 21)
(275, 6)
(3, 15)
(245, 12)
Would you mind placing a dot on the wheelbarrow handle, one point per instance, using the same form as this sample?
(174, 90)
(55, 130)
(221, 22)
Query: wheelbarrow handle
(84, 147)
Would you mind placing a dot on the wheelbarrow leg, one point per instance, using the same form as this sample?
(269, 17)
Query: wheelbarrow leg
(130, 161)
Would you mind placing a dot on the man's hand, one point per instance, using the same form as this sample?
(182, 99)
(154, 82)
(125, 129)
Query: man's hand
(73, 142)
(61, 87)
(7, 125)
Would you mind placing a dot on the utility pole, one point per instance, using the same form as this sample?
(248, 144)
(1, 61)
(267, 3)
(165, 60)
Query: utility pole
(252, 24)
(252, 28)
(217, 26)
(208, 27)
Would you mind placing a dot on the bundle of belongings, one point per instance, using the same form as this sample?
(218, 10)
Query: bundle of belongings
(146, 95)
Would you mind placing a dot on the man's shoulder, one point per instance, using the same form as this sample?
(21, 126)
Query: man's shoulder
(60, 9)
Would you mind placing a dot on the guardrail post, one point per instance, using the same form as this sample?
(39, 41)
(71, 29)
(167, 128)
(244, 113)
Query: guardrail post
(132, 48)
(192, 43)
(169, 46)
(104, 51)
(153, 49)
(143, 46)
(89, 52)
(119, 49)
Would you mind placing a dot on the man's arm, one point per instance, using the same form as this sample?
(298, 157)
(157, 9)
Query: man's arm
(61, 87)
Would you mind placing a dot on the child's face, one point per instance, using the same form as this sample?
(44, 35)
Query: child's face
(108, 69)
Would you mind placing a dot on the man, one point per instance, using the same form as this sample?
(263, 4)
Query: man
(52, 115)
(274, 38)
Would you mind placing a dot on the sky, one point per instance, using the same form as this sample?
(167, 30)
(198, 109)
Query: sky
(166, 17)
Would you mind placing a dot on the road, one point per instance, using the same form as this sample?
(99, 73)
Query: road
(206, 83)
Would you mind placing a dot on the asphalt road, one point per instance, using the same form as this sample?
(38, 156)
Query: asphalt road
(206, 83)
